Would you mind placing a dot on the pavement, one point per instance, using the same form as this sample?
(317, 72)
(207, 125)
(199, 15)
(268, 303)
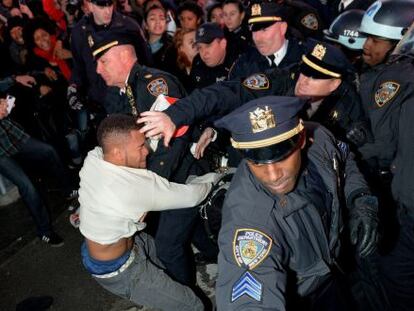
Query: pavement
(28, 267)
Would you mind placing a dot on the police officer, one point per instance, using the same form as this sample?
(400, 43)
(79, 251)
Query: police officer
(214, 60)
(384, 23)
(397, 266)
(282, 213)
(344, 32)
(326, 81)
(323, 81)
(137, 89)
(268, 24)
(85, 82)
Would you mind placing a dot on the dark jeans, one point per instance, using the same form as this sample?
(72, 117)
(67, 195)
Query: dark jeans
(36, 154)
(397, 267)
(176, 230)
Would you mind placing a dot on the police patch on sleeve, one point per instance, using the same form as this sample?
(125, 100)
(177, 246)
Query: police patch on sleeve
(157, 87)
(250, 247)
(310, 21)
(247, 285)
(386, 92)
(257, 82)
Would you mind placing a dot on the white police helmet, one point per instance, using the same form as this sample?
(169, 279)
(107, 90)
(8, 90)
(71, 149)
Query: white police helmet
(388, 18)
(345, 30)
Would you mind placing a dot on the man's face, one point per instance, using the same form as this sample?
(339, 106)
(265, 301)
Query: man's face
(102, 15)
(279, 177)
(16, 33)
(306, 86)
(110, 67)
(213, 53)
(270, 39)
(375, 50)
(136, 151)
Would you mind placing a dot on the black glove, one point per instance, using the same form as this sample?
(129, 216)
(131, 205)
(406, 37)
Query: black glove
(358, 134)
(363, 224)
(73, 98)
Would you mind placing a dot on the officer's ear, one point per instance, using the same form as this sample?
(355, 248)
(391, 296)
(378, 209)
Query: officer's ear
(334, 84)
(283, 28)
(223, 43)
(242, 15)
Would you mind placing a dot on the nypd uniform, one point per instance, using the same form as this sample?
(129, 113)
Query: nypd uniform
(202, 75)
(174, 163)
(84, 78)
(341, 111)
(263, 15)
(268, 240)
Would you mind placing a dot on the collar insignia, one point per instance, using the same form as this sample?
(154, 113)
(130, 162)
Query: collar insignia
(90, 41)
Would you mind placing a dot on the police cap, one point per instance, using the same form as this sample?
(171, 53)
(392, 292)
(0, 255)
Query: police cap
(103, 2)
(324, 61)
(102, 44)
(266, 129)
(207, 32)
(265, 14)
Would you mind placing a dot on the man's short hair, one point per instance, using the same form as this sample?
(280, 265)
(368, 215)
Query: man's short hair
(115, 126)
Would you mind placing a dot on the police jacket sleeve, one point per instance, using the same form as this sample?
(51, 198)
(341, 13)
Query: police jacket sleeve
(216, 99)
(251, 275)
(78, 70)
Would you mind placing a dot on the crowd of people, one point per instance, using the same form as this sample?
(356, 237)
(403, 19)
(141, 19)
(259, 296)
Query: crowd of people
(310, 100)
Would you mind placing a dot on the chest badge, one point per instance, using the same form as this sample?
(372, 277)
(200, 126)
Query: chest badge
(257, 82)
(157, 87)
(250, 247)
(386, 92)
(90, 41)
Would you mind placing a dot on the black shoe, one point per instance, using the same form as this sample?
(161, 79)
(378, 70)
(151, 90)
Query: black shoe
(52, 239)
(35, 304)
(201, 259)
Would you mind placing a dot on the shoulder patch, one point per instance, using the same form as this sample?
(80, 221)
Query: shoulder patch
(247, 285)
(310, 21)
(157, 87)
(257, 82)
(250, 247)
(386, 92)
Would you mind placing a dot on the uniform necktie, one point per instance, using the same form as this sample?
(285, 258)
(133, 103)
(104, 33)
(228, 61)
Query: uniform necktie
(272, 58)
(131, 100)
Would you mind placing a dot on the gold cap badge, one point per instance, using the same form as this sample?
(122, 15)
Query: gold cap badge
(256, 9)
(262, 119)
(319, 51)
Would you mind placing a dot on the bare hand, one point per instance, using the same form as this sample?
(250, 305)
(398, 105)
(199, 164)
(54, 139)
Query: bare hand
(26, 10)
(157, 123)
(16, 12)
(26, 80)
(204, 140)
(3, 108)
(50, 74)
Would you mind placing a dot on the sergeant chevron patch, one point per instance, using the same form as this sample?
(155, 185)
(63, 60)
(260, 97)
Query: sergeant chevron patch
(247, 285)
(250, 247)
(257, 82)
(386, 92)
